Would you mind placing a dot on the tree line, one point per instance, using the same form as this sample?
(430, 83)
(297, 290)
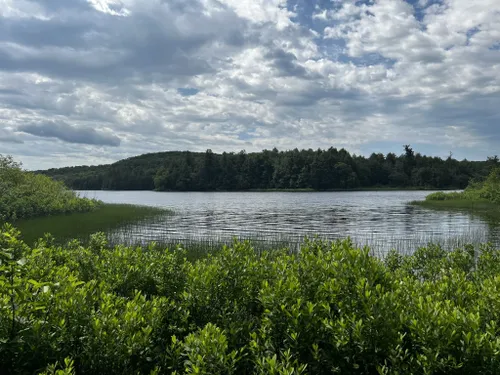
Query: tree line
(330, 169)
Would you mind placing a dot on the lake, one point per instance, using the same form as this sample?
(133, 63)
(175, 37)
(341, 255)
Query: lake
(381, 219)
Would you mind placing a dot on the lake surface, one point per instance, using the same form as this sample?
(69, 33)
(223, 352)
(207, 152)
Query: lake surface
(381, 219)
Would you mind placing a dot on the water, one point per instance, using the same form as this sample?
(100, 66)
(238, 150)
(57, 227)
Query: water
(381, 219)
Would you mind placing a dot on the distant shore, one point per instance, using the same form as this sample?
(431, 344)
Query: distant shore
(303, 190)
(410, 188)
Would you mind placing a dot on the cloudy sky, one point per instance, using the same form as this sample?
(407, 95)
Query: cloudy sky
(94, 81)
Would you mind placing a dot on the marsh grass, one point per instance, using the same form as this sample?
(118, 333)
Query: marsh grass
(139, 226)
(81, 225)
(481, 204)
(480, 197)
(481, 207)
(199, 246)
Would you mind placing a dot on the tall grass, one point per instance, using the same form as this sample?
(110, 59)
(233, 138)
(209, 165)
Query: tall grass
(107, 218)
(140, 226)
(197, 246)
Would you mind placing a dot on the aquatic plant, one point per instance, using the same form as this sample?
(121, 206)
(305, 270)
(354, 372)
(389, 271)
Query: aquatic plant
(81, 225)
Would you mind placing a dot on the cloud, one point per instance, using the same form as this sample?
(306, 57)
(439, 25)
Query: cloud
(7, 136)
(160, 75)
(87, 40)
(10, 140)
(187, 91)
(285, 63)
(71, 134)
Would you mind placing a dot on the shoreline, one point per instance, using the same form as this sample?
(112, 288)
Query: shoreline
(478, 207)
(83, 224)
(301, 190)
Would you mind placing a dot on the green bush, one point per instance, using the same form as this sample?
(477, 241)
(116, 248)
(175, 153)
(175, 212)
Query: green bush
(442, 196)
(24, 194)
(68, 368)
(330, 308)
(488, 190)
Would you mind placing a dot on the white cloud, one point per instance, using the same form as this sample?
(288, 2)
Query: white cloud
(262, 11)
(380, 72)
(21, 9)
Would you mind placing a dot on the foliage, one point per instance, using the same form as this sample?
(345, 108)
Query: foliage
(488, 190)
(294, 169)
(24, 194)
(329, 308)
(443, 196)
(53, 369)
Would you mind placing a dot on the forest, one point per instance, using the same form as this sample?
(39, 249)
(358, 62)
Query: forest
(330, 169)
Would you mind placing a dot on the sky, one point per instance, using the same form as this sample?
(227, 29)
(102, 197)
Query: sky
(86, 82)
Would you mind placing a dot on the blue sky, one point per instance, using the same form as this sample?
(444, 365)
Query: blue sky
(95, 81)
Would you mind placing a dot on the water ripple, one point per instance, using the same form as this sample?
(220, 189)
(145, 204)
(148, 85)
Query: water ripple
(380, 219)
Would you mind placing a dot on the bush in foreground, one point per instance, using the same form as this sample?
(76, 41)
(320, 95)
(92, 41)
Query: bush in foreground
(329, 309)
(24, 194)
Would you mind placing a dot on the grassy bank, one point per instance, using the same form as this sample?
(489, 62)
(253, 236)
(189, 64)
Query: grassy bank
(482, 208)
(481, 205)
(330, 308)
(481, 197)
(82, 225)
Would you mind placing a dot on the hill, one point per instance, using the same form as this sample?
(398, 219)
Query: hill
(330, 169)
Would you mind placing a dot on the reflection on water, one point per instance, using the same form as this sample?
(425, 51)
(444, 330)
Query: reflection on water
(381, 219)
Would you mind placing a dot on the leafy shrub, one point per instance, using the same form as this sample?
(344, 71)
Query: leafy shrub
(24, 194)
(68, 368)
(330, 308)
(488, 189)
(442, 196)
(206, 352)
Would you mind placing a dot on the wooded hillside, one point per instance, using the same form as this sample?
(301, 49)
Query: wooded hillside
(304, 169)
